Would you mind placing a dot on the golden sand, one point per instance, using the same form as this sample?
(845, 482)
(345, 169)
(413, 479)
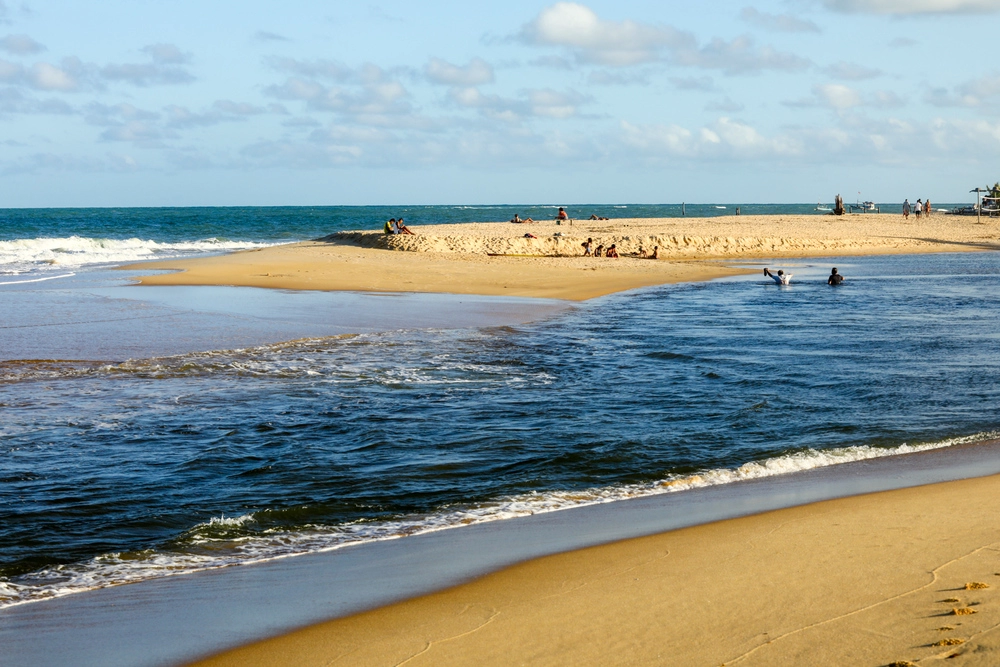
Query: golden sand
(496, 258)
(855, 581)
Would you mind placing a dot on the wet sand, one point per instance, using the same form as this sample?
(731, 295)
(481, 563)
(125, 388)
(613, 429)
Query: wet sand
(496, 258)
(901, 577)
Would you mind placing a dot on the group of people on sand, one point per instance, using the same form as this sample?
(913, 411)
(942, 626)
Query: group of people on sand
(560, 216)
(783, 278)
(918, 208)
(394, 226)
(612, 251)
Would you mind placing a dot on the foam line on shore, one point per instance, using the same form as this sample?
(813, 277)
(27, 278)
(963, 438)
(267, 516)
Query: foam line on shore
(215, 544)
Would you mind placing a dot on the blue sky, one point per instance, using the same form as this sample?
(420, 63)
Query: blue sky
(227, 103)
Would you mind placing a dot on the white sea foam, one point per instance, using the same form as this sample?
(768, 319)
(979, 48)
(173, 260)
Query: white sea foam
(23, 255)
(219, 542)
(36, 280)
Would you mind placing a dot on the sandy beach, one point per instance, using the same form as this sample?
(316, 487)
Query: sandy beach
(895, 578)
(497, 259)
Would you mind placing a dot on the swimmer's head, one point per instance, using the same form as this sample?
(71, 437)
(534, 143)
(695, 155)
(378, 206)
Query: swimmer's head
(780, 272)
(834, 270)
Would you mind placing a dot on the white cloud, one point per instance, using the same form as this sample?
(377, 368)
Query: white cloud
(595, 40)
(166, 54)
(913, 7)
(739, 56)
(49, 77)
(371, 96)
(725, 138)
(163, 70)
(851, 71)
(222, 111)
(475, 73)
(546, 103)
(838, 96)
(603, 77)
(777, 22)
(981, 93)
(842, 98)
(20, 45)
(702, 83)
(725, 105)
(313, 69)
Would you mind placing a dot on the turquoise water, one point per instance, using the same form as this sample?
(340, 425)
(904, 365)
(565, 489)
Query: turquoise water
(122, 467)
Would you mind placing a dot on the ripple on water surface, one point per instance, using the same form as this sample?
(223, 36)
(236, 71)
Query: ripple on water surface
(120, 471)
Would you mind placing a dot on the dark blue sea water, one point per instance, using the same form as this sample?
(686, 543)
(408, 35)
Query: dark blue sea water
(116, 469)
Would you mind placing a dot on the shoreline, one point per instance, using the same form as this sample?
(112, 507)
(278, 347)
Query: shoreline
(235, 608)
(493, 259)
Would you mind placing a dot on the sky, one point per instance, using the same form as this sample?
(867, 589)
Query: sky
(184, 103)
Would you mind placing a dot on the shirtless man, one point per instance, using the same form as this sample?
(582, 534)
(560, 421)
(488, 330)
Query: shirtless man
(780, 277)
(561, 215)
(612, 251)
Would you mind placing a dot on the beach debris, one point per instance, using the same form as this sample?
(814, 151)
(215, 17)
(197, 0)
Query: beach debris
(945, 628)
(951, 600)
(963, 611)
(975, 585)
(901, 663)
(950, 641)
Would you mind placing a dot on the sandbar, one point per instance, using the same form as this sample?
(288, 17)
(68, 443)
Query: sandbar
(497, 259)
(901, 577)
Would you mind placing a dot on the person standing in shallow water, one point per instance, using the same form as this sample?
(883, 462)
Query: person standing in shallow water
(835, 278)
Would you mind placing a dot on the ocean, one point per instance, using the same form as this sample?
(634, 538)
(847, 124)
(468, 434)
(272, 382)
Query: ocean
(150, 432)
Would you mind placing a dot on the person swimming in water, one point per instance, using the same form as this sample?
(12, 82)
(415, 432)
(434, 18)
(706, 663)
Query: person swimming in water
(835, 278)
(780, 277)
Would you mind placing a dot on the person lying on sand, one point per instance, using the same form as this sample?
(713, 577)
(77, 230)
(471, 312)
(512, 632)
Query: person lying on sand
(403, 229)
(594, 216)
(835, 278)
(780, 277)
(587, 245)
(612, 251)
(390, 227)
(641, 252)
(519, 220)
(529, 235)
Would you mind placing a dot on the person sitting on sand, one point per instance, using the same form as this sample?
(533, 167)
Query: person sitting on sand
(835, 278)
(390, 227)
(656, 252)
(561, 215)
(780, 277)
(403, 229)
(612, 251)
(516, 219)
(587, 245)
(641, 252)
(593, 216)
(599, 251)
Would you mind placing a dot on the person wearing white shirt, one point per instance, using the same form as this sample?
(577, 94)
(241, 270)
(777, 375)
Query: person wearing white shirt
(780, 277)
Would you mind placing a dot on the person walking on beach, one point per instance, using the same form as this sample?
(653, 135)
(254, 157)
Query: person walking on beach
(587, 245)
(918, 208)
(780, 277)
(927, 207)
(835, 278)
(906, 209)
